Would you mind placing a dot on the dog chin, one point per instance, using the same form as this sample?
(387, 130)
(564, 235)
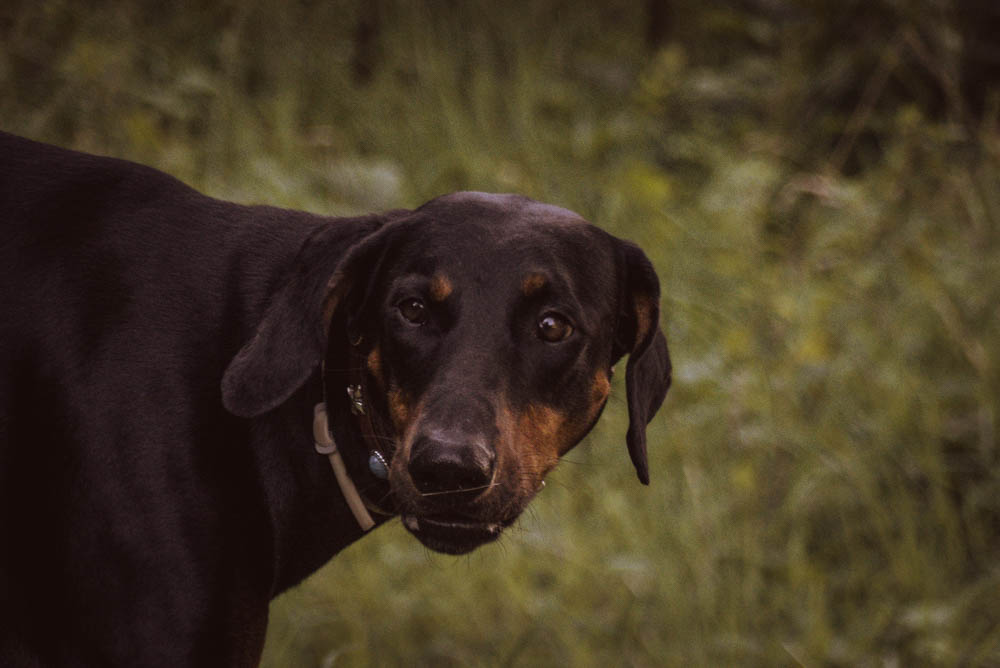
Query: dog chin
(452, 535)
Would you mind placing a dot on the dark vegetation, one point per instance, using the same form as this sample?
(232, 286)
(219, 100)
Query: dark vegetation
(818, 184)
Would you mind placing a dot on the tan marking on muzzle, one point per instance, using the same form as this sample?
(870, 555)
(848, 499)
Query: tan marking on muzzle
(544, 427)
(541, 434)
(520, 466)
(374, 364)
(401, 411)
(530, 444)
(599, 392)
(405, 416)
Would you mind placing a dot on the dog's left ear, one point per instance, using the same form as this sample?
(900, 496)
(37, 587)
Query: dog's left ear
(647, 374)
(289, 342)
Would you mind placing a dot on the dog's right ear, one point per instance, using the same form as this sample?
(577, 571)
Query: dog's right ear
(289, 342)
(648, 372)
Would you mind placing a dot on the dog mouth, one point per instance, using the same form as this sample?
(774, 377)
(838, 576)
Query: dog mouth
(452, 534)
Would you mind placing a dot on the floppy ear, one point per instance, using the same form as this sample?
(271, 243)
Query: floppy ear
(290, 340)
(647, 374)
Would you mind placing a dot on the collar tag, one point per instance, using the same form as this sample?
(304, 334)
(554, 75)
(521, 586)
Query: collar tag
(357, 398)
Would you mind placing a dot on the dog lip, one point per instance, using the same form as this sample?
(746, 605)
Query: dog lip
(452, 535)
(430, 522)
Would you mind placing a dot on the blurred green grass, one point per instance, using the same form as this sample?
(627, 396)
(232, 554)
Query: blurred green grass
(826, 481)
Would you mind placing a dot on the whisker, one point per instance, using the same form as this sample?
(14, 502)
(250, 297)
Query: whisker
(461, 491)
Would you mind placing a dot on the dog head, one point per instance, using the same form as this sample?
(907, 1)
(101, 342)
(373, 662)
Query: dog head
(485, 329)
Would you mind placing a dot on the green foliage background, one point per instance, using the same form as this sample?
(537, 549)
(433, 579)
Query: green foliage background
(821, 197)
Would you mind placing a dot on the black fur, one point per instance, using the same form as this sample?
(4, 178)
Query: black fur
(141, 522)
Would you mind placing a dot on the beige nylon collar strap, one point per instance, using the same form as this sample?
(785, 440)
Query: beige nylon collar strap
(325, 445)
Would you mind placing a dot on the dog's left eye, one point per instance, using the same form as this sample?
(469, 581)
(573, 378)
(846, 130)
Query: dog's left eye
(414, 310)
(553, 328)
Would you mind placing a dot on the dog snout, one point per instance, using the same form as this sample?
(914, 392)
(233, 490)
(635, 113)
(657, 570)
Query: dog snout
(444, 463)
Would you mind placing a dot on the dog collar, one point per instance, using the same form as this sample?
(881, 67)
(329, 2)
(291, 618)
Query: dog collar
(377, 463)
(325, 445)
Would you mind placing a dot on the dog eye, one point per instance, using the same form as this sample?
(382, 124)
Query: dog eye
(413, 310)
(553, 328)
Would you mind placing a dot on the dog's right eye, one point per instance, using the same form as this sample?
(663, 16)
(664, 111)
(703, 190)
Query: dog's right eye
(414, 310)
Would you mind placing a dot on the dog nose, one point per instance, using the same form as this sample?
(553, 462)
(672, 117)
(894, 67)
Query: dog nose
(451, 464)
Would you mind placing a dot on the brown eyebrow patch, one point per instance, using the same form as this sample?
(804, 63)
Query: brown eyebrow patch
(441, 287)
(532, 283)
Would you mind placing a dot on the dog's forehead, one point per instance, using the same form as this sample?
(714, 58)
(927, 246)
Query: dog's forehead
(468, 206)
(478, 232)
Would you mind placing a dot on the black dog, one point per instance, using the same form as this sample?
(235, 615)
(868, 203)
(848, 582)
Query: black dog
(162, 353)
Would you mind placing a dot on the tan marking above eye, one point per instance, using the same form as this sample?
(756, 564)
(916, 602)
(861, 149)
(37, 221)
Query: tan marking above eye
(441, 287)
(532, 283)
